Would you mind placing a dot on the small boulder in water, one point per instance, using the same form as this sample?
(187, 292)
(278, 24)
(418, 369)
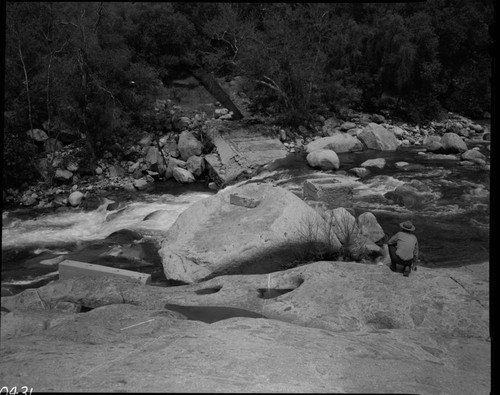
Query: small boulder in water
(324, 159)
(378, 162)
(473, 156)
(75, 198)
(52, 261)
(453, 143)
(92, 202)
(140, 184)
(183, 176)
(124, 236)
(360, 171)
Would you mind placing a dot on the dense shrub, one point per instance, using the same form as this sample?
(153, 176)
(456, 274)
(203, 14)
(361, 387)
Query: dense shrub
(18, 157)
(101, 66)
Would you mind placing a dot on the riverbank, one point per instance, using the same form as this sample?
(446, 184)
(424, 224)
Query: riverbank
(342, 327)
(453, 226)
(236, 154)
(330, 326)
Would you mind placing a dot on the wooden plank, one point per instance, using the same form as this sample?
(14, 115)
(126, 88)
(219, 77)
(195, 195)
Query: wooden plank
(74, 269)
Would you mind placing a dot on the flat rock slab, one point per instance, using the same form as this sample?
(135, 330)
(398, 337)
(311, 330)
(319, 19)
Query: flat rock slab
(241, 148)
(242, 355)
(337, 296)
(345, 327)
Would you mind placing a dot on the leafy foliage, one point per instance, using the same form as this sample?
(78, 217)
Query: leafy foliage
(99, 67)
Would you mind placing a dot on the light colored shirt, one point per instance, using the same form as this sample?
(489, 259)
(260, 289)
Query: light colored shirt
(406, 245)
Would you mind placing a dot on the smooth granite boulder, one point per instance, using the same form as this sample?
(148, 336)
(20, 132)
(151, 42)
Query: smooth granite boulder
(377, 137)
(338, 142)
(324, 159)
(214, 236)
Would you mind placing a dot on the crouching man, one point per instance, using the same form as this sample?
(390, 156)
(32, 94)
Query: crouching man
(403, 248)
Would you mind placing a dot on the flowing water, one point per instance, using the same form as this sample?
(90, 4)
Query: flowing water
(126, 237)
(451, 231)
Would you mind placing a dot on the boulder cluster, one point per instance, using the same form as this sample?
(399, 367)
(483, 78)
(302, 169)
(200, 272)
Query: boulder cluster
(180, 154)
(175, 155)
(372, 131)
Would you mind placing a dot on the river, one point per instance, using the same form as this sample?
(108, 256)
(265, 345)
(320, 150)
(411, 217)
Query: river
(451, 232)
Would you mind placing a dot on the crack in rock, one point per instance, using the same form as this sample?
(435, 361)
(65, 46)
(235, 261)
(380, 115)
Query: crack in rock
(470, 294)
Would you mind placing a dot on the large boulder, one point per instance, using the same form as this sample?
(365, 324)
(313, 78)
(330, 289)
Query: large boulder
(214, 236)
(188, 145)
(457, 128)
(196, 165)
(182, 175)
(398, 132)
(172, 164)
(377, 137)
(153, 156)
(141, 184)
(432, 143)
(344, 225)
(370, 227)
(453, 143)
(338, 142)
(474, 156)
(324, 159)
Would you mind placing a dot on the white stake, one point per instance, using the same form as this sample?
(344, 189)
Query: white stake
(140, 323)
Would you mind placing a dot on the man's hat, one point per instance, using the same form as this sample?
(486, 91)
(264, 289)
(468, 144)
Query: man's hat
(407, 225)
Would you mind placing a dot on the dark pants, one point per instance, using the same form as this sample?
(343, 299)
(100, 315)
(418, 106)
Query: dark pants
(395, 259)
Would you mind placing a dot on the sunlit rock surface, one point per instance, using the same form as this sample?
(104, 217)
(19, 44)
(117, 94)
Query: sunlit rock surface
(345, 327)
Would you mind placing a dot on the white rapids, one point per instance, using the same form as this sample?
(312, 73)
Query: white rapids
(79, 226)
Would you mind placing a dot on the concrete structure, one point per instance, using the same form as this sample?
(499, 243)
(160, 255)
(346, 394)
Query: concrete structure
(73, 269)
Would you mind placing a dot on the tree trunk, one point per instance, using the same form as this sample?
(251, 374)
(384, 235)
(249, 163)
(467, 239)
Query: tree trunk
(213, 87)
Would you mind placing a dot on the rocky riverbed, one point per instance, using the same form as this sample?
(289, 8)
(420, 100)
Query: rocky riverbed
(329, 325)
